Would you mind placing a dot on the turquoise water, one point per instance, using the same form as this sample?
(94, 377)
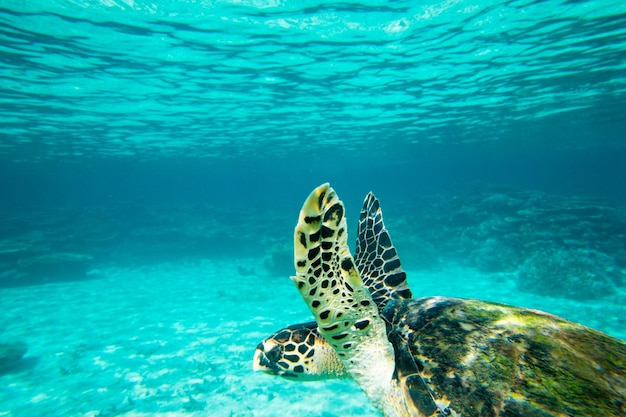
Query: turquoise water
(207, 79)
(154, 156)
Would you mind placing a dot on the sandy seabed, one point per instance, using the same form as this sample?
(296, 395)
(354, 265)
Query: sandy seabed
(178, 339)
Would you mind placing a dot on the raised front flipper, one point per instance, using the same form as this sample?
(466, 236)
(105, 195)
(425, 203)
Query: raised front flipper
(329, 283)
(376, 258)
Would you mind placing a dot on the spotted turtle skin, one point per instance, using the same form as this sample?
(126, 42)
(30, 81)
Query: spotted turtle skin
(431, 356)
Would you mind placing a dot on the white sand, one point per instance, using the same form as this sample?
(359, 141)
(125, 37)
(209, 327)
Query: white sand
(167, 340)
(178, 339)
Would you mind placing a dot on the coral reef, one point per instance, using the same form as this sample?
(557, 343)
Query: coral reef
(65, 244)
(573, 273)
(493, 230)
(561, 246)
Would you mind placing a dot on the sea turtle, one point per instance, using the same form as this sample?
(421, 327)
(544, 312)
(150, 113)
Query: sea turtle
(431, 356)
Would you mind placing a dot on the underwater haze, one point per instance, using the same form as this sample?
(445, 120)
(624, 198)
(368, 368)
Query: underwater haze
(154, 156)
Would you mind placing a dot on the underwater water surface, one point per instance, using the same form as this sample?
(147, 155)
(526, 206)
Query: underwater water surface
(154, 156)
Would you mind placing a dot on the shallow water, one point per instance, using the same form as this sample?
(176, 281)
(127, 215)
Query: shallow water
(157, 340)
(179, 338)
(120, 78)
(154, 155)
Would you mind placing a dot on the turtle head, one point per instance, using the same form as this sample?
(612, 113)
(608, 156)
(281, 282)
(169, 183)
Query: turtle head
(298, 352)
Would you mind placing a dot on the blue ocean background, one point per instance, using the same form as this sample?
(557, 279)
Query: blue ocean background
(154, 156)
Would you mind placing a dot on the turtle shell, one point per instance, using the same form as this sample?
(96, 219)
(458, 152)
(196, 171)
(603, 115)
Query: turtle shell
(473, 358)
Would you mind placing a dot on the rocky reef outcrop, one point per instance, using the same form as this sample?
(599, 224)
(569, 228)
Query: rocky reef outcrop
(560, 246)
(10, 354)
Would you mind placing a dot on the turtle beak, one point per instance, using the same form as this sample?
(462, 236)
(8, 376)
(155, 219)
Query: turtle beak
(261, 363)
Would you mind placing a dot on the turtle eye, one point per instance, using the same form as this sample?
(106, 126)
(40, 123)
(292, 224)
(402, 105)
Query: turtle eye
(275, 353)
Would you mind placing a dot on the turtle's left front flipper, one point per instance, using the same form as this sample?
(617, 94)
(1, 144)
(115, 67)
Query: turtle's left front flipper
(376, 257)
(329, 283)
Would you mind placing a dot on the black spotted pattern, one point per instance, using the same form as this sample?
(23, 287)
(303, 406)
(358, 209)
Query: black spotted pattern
(376, 258)
(328, 270)
(291, 350)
